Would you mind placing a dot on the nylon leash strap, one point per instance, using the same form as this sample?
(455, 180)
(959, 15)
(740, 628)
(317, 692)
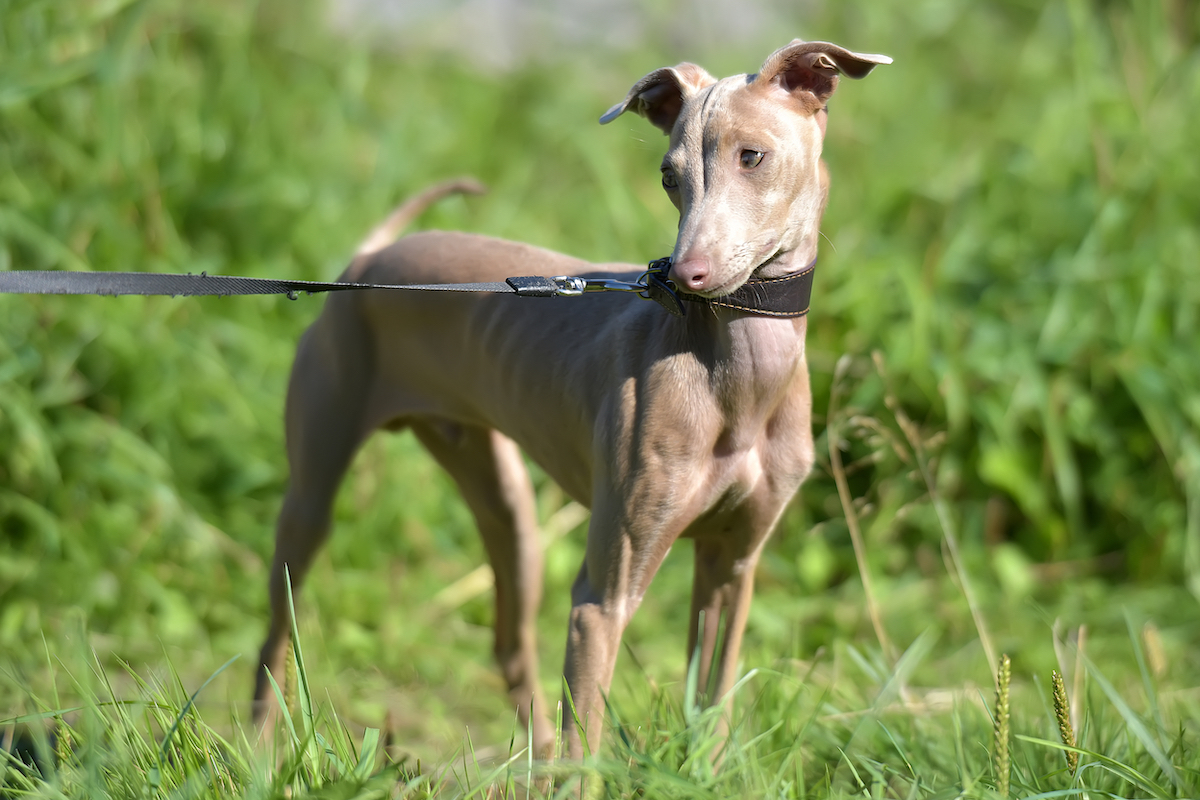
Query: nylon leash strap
(114, 284)
(779, 297)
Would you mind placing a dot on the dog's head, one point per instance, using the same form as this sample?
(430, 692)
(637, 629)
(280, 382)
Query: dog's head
(744, 161)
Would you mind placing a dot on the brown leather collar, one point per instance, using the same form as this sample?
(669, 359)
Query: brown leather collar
(786, 297)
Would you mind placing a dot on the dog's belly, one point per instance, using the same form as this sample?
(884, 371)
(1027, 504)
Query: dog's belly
(487, 361)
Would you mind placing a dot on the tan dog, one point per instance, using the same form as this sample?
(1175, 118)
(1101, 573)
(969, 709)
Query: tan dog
(666, 427)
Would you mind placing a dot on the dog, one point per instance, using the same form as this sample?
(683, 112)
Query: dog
(666, 426)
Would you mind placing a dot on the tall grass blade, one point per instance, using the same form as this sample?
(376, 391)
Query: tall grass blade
(1152, 703)
(368, 754)
(166, 742)
(945, 519)
(1135, 725)
(1095, 760)
(304, 692)
(846, 498)
(289, 723)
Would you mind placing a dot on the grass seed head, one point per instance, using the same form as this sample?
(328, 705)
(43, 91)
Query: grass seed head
(1062, 712)
(1000, 739)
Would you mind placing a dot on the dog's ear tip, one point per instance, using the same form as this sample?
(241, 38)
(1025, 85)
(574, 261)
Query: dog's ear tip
(867, 62)
(613, 113)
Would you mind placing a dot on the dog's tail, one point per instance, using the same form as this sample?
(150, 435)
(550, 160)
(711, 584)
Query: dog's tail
(386, 232)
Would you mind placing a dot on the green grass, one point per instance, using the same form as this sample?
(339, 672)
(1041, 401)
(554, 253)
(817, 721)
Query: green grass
(802, 730)
(1012, 230)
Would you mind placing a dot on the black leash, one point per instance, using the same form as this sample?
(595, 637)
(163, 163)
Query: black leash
(113, 284)
(781, 297)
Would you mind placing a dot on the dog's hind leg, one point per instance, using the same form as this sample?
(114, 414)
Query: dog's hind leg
(325, 426)
(490, 473)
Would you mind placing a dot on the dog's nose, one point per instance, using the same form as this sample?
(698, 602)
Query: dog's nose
(690, 274)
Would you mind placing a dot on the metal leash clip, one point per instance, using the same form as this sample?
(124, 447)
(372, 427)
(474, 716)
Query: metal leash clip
(651, 285)
(570, 286)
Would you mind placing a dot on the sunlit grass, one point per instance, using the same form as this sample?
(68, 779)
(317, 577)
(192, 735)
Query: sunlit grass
(797, 730)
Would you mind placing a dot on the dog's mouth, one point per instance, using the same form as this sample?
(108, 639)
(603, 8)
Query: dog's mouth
(731, 286)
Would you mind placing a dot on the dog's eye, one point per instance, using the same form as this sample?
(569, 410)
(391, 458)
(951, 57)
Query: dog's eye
(751, 159)
(668, 179)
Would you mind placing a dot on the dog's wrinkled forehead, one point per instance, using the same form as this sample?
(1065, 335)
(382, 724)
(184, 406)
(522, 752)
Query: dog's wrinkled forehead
(716, 96)
(702, 104)
(734, 111)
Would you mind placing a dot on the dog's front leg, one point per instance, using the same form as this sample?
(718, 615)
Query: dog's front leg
(721, 592)
(722, 588)
(624, 551)
(726, 554)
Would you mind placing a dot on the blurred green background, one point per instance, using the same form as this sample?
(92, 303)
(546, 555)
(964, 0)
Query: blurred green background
(1012, 229)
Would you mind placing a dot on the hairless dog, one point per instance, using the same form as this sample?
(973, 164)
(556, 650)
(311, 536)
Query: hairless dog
(665, 426)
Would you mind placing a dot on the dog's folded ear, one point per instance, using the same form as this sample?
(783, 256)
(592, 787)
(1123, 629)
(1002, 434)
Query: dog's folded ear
(812, 68)
(659, 96)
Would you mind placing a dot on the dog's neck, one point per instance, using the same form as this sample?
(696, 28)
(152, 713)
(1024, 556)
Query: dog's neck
(753, 361)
